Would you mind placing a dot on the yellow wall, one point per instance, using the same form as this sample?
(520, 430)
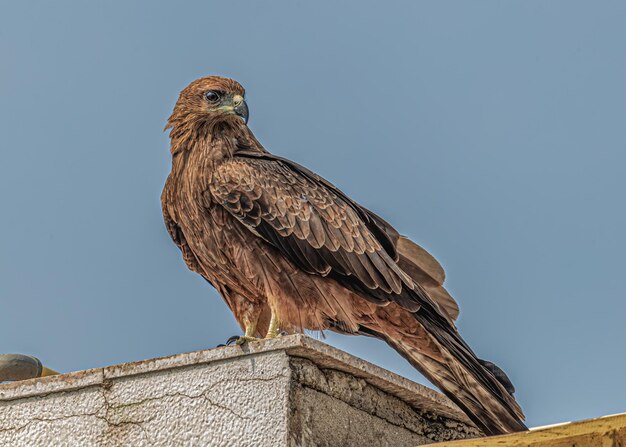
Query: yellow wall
(608, 431)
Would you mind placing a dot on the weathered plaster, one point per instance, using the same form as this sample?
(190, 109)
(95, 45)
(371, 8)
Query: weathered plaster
(292, 391)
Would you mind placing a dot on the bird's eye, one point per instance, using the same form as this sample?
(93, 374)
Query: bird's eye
(212, 96)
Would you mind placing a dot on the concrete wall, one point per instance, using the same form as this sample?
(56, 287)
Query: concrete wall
(291, 391)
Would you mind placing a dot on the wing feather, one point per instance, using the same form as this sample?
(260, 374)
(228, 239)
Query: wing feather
(315, 227)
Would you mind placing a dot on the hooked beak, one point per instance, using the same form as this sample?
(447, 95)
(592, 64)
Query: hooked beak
(241, 108)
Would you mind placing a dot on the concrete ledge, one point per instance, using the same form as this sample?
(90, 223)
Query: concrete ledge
(290, 391)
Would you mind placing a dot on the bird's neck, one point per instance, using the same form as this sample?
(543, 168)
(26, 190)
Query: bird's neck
(215, 139)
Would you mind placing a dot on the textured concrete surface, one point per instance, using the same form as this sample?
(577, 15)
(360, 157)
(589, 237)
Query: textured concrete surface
(291, 391)
(333, 408)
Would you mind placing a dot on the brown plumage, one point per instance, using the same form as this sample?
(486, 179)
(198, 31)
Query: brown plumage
(282, 245)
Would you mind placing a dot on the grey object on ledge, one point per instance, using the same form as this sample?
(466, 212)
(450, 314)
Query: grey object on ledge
(22, 367)
(290, 391)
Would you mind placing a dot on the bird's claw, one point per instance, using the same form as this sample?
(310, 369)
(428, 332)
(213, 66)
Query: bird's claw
(230, 341)
(239, 340)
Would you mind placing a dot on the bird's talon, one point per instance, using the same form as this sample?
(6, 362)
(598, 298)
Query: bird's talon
(238, 340)
(232, 339)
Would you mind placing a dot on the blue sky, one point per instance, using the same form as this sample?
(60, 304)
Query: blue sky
(491, 132)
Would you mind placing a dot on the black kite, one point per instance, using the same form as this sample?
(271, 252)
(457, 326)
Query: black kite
(289, 251)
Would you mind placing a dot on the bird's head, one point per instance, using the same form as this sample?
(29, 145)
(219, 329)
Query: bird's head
(210, 98)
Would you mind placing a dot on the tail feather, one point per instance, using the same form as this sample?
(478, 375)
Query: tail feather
(499, 374)
(479, 392)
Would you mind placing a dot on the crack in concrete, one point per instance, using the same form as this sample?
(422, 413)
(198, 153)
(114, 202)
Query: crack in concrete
(201, 394)
(110, 409)
(45, 420)
(105, 389)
